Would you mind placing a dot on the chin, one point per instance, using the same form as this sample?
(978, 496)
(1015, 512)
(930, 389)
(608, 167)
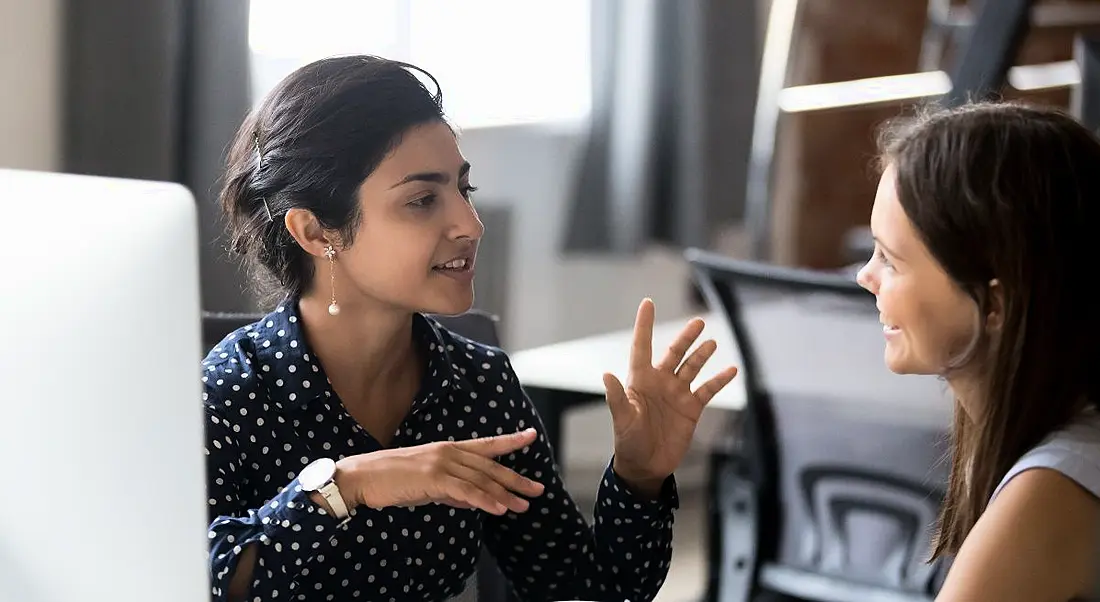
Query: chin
(899, 362)
(898, 366)
(449, 306)
(896, 359)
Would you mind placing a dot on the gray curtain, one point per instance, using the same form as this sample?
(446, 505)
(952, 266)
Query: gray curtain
(674, 87)
(155, 90)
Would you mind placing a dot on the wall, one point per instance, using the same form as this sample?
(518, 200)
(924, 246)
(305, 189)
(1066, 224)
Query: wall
(30, 91)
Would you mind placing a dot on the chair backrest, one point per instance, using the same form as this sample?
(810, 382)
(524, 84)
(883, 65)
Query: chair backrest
(729, 284)
(216, 325)
(857, 492)
(475, 325)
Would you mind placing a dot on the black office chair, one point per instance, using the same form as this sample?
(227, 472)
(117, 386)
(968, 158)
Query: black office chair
(488, 584)
(810, 503)
(216, 325)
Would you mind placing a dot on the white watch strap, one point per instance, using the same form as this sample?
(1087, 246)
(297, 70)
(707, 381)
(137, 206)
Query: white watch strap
(331, 493)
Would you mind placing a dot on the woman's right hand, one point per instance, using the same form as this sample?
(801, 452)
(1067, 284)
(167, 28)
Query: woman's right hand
(462, 474)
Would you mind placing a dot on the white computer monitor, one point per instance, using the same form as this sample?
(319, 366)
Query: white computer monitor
(101, 452)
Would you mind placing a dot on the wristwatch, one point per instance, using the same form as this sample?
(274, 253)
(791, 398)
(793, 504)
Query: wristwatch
(319, 477)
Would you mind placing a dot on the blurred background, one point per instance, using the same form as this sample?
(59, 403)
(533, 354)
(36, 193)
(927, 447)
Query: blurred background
(606, 136)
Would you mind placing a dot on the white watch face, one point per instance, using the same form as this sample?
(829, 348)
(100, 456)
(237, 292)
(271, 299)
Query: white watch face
(319, 472)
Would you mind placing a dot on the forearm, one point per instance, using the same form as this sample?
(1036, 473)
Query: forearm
(642, 486)
(278, 536)
(633, 537)
(240, 582)
(550, 553)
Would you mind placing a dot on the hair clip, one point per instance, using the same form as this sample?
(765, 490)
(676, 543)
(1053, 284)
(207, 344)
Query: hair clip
(267, 209)
(259, 161)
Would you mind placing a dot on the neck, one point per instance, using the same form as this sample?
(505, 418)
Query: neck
(367, 352)
(968, 392)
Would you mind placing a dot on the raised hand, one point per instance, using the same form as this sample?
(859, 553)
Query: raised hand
(655, 415)
(463, 474)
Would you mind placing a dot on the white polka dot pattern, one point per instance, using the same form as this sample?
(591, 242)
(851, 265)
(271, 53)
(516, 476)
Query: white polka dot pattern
(270, 411)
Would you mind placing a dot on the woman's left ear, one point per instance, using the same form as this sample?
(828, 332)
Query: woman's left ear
(995, 316)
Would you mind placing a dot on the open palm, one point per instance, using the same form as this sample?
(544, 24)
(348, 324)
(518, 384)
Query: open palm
(655, 415)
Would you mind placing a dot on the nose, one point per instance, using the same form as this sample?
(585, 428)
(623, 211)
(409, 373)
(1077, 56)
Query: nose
(466, 224)
(866, 278)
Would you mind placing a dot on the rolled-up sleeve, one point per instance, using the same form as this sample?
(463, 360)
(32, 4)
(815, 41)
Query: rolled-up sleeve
(551, 553)
(289, 528)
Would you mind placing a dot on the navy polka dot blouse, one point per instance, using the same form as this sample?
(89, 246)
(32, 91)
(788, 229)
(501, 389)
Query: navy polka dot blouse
(270, 411)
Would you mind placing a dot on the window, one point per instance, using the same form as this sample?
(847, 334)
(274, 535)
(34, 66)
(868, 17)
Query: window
(498, 61)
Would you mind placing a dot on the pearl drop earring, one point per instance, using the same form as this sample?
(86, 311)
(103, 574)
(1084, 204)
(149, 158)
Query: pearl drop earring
(330, 253)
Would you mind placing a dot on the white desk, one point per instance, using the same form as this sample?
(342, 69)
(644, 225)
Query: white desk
(579, 365)
(823, 350)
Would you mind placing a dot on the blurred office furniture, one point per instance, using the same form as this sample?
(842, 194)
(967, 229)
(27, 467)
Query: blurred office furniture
(1085, 102)
(494, 262)
(832, 72)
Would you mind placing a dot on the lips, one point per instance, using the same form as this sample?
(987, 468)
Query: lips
(461, 264)
(457, 264)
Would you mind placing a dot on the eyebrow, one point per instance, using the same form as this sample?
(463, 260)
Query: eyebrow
(437, 177)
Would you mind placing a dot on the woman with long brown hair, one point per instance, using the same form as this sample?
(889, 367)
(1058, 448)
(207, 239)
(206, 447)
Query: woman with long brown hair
(986, 224)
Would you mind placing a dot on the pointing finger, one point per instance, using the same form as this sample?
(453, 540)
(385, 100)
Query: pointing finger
(491, 447)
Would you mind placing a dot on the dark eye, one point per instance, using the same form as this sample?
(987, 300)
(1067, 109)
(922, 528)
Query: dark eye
(879, 255)
(468, 190)
(424, 202)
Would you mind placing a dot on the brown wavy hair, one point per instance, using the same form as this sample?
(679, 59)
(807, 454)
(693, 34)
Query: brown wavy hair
(1009, 192)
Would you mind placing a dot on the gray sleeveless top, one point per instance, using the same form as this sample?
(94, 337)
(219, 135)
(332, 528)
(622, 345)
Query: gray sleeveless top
(1073, 451)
